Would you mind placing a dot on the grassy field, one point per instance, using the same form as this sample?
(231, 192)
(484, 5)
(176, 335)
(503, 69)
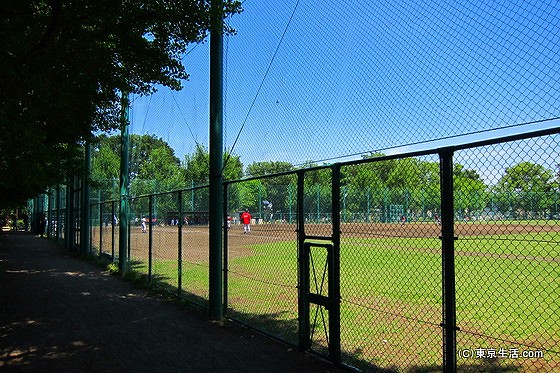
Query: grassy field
(507, 292)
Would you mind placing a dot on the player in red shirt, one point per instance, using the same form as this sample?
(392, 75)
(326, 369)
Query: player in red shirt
(246, 220)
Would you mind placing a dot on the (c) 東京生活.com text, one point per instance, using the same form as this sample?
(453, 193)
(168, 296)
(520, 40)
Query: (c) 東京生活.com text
(502, 353)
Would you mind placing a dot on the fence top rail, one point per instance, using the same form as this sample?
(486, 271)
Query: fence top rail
(159, 194)
(104, 202)
(552, 129)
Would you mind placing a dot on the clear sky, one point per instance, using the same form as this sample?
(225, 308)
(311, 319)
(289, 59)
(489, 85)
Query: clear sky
(331, 80)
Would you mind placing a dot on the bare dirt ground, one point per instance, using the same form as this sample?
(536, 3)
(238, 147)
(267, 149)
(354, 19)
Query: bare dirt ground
(195, 238)
(59, 313)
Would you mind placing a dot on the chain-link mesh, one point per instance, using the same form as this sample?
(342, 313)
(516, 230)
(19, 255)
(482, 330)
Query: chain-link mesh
(139, 255)
(311, 82)
(165, 241)
(76, 216)
(61, 213)
(347, 78)
(95, 227)
(392, 270)
(195, 245)
(169, 241)
(344, 79)
(262, 256)
(106, 229)
(317, 202)
(507, 257)
(391, 264)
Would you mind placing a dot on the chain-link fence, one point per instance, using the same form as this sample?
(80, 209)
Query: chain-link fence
(262, 255)
(167, 239)
(422, 261)
(434, 245)
(391, 264)
(413, 271)
(507, 260)
(337, 80)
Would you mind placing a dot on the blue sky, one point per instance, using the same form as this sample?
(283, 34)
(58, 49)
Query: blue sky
(328, 81)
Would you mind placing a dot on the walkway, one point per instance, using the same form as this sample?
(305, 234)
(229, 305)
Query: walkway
(59, 313)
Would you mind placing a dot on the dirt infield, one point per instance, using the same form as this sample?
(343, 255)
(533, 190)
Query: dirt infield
(195, 238)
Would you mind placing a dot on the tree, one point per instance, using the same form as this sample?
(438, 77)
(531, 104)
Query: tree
(153, 165)
(196, 170)
(268, 168)
(162, 165)
(197, 166)
(471, 194)
(527, 187)
(63, 66)
(105, 171)
(279, 190)
(525, 177)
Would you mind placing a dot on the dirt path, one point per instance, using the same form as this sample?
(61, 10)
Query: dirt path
(59, 313)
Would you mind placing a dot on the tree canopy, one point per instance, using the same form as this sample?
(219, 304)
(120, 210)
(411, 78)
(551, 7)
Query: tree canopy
(368, 190)
(64, 65)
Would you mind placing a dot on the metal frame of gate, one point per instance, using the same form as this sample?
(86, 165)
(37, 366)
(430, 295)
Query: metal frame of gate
(307, 295)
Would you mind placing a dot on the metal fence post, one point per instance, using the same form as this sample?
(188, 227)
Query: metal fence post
(215, 293)
(334, 271)
(448, 262)
(303, 270)
(225, 263)
(150, 235)
(124, 210)
(180, 245)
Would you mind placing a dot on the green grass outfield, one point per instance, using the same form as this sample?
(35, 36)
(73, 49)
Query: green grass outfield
(550, 222)
(507, 287)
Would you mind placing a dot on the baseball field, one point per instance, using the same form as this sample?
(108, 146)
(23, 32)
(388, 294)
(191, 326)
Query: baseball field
(507, 288)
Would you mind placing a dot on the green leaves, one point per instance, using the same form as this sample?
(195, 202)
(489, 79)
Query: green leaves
(63, 65)
(527, 188)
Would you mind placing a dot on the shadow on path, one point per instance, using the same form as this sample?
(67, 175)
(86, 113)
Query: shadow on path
(61, 313)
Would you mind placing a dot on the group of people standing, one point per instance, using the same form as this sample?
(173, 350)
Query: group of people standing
(245, 219)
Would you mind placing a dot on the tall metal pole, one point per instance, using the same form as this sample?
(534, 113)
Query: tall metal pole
(303, 270)
(216, 163)
(84, 228)
(334, 269)
(124, 202)
(449, 323)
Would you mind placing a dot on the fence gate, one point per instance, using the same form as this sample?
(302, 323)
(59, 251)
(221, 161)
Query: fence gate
(319, 277)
